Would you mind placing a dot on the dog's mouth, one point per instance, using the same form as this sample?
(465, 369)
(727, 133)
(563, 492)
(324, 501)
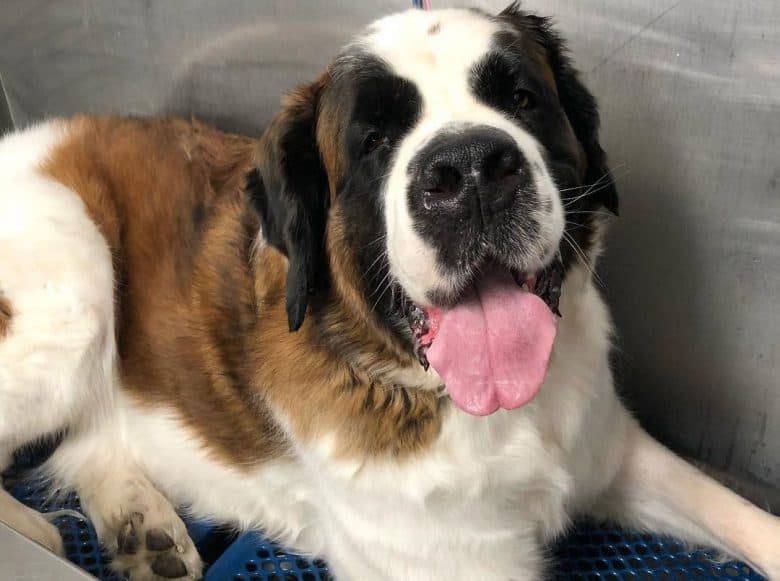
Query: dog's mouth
(493, 346)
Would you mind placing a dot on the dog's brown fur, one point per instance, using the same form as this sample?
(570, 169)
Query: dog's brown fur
(201, 320)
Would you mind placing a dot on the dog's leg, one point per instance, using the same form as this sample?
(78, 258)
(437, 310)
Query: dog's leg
(53, 361)
(136, 523)
(655, 489)
(57, 346)
(58, 372)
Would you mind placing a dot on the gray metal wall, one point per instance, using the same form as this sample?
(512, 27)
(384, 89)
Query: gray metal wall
(689, 93)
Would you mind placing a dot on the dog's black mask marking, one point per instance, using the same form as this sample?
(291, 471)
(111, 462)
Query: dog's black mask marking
(384, 108)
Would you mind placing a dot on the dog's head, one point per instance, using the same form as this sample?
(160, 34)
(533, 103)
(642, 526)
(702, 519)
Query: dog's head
(448, 166)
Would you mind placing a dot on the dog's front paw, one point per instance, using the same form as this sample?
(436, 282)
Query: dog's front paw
(154, 546)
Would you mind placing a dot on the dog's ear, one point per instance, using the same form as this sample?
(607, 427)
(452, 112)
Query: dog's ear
(289, 189)
(577, 102)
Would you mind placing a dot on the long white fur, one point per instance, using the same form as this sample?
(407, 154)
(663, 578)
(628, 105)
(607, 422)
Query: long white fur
(478, 504)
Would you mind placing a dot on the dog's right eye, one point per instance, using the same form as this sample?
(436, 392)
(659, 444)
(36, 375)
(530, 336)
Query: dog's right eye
(373, 141)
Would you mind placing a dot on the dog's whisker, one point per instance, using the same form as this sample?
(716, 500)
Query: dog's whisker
(383, 290)
(597, 186)
(598, 180)
(594, 189)
(574, 188)
(589, 213)
(379, 239)
(576, 248)
(374, 264)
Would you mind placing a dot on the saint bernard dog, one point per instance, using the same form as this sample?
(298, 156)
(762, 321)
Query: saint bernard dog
(373, 333)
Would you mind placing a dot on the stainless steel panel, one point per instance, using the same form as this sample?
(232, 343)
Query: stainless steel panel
(24, 560)
(226, 61)
(689, 93)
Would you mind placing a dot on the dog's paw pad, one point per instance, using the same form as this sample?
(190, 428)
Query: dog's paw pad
(155, 546)
(158, 540)
(169, 566)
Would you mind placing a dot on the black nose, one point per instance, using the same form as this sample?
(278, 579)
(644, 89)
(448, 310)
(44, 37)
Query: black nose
(477, 170)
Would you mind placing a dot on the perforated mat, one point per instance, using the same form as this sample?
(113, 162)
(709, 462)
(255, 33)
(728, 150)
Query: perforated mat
(78, 535)
(597, 552)
(590, 553)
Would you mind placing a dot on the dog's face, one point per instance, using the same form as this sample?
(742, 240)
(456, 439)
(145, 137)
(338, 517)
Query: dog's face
(451, 152)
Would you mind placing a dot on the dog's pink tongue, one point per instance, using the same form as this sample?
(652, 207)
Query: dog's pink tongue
(493, 348)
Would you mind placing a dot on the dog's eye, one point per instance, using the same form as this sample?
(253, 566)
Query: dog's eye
(373, 141)
(523, 99)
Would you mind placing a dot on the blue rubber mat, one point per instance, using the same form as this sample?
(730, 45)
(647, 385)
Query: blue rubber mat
(598, 552)
(253, 558)
(590, 553)
(78, 535)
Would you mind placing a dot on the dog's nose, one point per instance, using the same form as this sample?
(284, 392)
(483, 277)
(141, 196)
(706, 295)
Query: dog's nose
(477, 170)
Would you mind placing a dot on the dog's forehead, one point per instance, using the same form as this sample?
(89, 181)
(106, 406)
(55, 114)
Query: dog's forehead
(427, 47)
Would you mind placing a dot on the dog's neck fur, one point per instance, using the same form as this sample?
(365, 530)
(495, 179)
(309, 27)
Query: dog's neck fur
(373, 398)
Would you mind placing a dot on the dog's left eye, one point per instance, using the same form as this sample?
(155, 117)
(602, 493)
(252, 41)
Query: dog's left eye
(373, 141)
(523, 99)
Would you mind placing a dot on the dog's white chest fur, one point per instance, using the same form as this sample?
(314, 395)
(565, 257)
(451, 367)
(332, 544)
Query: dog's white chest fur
(475, 499)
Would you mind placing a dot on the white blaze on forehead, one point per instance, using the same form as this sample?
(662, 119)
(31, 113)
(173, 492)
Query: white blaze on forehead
(434, 49)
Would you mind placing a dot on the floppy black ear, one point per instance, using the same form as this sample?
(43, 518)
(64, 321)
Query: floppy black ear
(289, 189)
(577, 102)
